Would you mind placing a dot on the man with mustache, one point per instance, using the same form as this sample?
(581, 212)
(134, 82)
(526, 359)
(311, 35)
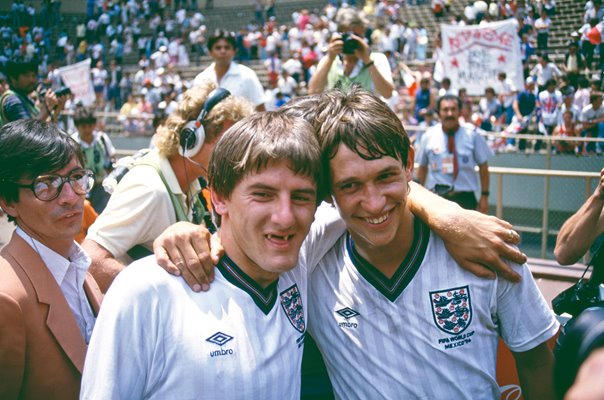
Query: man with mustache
(448, 153)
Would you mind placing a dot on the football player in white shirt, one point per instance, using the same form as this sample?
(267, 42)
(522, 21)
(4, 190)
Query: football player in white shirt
(319, 122)
(157, 339)
(390, 311)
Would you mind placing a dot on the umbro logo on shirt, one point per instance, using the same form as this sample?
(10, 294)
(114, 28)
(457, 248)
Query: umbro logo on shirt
(347, 313)
(220, 339)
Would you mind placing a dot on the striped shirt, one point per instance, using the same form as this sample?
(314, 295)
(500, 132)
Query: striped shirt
(430, 331)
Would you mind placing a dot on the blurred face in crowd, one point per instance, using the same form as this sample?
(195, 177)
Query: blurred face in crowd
(449, 115)
(222, 52)
(25, 82)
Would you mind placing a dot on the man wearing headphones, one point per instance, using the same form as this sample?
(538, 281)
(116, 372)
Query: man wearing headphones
(162, 188)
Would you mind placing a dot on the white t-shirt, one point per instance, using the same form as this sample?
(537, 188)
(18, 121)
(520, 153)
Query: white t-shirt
(431, 331)
(239, 80)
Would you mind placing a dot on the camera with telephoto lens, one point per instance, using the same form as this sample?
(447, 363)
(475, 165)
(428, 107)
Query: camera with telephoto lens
(63, 91)
(584, 332)
(350, 43)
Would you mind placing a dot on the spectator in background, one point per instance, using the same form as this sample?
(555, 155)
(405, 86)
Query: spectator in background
(445, 87)
(526, 51)
(99, 79)
(592, 120)
(114, 77)
(16, 103)
(507, 93)
(448, 153)
(525, 106)
(574, 63)
(566, 128)
(236, 78)
(582, 94)
(98, 151)
(349, 62)
(549, 102)
(466, 105)
(542, 25)
(424, 98)
(545, 70)
(488, 109)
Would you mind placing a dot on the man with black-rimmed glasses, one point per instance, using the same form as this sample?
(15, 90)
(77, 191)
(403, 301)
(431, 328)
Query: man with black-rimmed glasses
(48, 301)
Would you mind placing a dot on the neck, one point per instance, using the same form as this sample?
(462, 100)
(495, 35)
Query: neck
(185, 170)
(59, 246)
(221, 70)
(388, 258)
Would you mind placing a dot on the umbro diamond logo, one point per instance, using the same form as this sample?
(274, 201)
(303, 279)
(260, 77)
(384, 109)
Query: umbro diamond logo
(347, 312)
(219, 338)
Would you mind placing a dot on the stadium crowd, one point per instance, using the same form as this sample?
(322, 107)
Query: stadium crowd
(165, 38)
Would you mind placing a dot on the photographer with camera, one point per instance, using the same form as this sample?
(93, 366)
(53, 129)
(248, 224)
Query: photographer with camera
(579, 355)
(16, 102)
(99, 153)
(582, 229)
(349, 60)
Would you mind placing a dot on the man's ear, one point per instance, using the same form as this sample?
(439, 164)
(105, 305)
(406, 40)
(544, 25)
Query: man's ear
(410, 163)
(218, 203)
(9, 208)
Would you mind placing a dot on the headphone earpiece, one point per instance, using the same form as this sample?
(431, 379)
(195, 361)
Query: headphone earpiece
(193, 135)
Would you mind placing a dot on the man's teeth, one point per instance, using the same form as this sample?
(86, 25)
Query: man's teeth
(269, 237)
(377, 220)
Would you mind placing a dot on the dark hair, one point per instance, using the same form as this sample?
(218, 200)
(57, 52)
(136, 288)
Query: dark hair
(221, 34)
(447, 97)
(84, 115)
(446, 80)
(362, 122)
(259, 139)
(30, 148)
(550, 82)
(595, 96)
(14, 68)
(582, 82)
(487, 90)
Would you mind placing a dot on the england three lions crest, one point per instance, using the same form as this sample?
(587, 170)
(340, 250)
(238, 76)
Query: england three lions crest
(452, 309)
(291, 301)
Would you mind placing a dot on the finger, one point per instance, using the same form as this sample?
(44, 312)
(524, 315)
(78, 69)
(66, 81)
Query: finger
(217, 249)
(191, 280)
(512, 253)
(478, 269)
(164, 260)
(503, 269)
(203, 266)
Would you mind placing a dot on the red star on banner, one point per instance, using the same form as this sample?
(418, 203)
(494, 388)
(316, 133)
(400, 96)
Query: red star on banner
(501, 58)
(455, 63)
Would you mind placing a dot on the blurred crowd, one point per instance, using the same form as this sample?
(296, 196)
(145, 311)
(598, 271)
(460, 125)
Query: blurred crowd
(160, 39)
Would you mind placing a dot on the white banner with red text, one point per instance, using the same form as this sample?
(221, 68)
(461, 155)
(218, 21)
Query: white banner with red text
(474, 55)
(77, 78)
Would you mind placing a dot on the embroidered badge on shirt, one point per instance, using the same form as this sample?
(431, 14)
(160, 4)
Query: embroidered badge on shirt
(452, 309)
(291, 301)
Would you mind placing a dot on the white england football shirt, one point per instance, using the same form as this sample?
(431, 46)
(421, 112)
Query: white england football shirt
(156, 339)
(431, 331)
